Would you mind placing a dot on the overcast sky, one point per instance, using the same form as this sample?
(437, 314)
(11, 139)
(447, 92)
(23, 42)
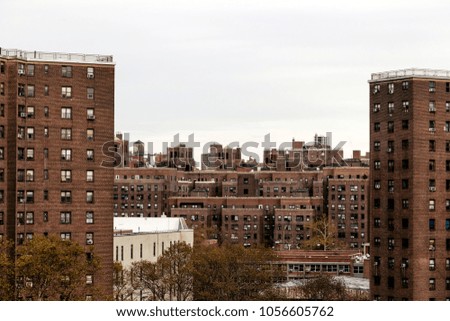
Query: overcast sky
(237, 70)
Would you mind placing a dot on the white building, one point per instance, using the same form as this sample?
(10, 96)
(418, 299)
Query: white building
(146, 238)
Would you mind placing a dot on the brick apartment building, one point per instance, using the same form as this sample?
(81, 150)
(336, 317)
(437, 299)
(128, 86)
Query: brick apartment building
(56, 113)
(272, 208)
(410, 184)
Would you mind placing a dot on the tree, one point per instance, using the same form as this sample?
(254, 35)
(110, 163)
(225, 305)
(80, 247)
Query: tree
(323, 235)
(233, 273)
(123, 290)
(50, 268)
(6, 271)
(323, 288)
(169, 278)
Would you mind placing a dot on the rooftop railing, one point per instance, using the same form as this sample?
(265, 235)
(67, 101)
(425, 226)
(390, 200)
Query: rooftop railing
(54, 56)
(412, 72)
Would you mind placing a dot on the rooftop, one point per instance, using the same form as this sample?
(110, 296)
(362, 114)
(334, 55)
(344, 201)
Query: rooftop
(408, 73)
(55, 56)
(149, 224)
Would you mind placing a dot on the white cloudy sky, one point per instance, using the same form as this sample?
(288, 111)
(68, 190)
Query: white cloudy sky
(235, 70)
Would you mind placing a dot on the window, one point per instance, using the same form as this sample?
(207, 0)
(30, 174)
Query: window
(65, 236)
(431, 205)
(405, 183)
(447, 106)
(447, 126)
(2, 218)
(377, 241)
(30, 197)
(376, 222)
(46, 69)
(30, 90)
(376, 145)
(66, 92)
(30, 132)
(2, 153)
(390, 107)
(89, 217)
(405, 223)
(431, 224)
(90, 93)
(90, 154)
(405, 283)
(405, 124)
(90, 134)
(46, 194)
(66, 175)
(2, 110)
(405, 203)
(405, 105)
(391, 282)
(391, 165)
(66, 71)
(21, 90)
(45, 152)
(90, 72)
(390, 185)
(376, 127)
(46, 112)
(89, 238)
(405, 243)
(89, 197)
(432, 106)
(390, 127)
(391, 243)
(432, 284)
(432, 165)
(66, 154)
(46, 90)
(66, 196)
(432, 245)
(432, 146)
(432, 86)
(90, 114)
(65, 217)
(447, 264)
(20, 175)
(376, 107)
(376, 203)
(89, 279)
(30, 70)
(30, 175)
(29, 218)
(89, 176)
(391, 88)
(2, 88)
(390, 148)
(432, 264)
(377, 184)
(432, 126)
(377, 164)
(432, 185)
(376, 88)
(66, 112)
(66, 133)
(405, 85)
(2, 67)
(447, 224)
(30, 153)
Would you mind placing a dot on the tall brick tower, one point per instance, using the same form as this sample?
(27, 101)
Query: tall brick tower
(56, 114)
(410, 184)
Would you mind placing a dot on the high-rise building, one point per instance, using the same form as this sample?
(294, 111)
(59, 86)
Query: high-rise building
(410, 184)
(56, 115)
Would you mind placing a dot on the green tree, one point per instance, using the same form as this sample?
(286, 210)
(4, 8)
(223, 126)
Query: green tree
(233, 273)
(50, 268)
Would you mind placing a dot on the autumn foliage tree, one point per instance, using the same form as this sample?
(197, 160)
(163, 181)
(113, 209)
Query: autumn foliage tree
(169, 278)
(6, 271)
(50, 268)
(323, 288)
(323, 235)
(233, 273)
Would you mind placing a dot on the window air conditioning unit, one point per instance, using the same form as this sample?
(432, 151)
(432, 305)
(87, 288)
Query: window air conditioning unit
(89, 242)
(91, 117)
(90, 76)
(21, 72)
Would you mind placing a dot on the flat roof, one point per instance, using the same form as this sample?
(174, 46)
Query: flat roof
(150, 224)
(410, 73)
(55, 56)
